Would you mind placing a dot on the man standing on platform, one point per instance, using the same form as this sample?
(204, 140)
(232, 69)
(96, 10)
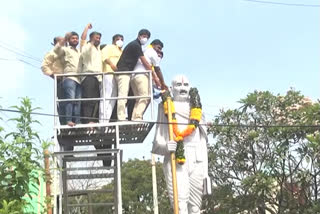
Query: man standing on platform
(90, 62)
(190, 145)
(140, 82)
(71, 84)
(110, 57)
(128, 60)
(52, 64)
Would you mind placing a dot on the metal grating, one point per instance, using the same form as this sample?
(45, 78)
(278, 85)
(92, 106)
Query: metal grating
(104, 135)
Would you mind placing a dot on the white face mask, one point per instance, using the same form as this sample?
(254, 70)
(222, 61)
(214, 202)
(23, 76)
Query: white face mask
(180, 88)
(143, 41)
(119, 43)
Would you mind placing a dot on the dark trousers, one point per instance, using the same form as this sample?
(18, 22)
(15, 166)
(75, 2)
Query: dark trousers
(114, 115)
(130, 104)
(90, 109)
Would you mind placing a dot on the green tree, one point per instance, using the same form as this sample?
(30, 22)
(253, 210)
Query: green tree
(137, 195)
(271, 163)
(19, 158)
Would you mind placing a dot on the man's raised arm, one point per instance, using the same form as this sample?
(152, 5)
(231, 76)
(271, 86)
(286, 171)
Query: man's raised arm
(58, 47)
(84, 35)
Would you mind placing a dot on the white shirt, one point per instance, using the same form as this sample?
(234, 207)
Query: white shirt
(152, 58)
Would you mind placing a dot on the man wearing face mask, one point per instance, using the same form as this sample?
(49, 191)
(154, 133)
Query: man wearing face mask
(192, 176)
(90, 62)
(110, 57)
(140, 82)
(128, 60)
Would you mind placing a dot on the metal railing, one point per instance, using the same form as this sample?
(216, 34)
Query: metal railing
(102, 97)
(58, 180)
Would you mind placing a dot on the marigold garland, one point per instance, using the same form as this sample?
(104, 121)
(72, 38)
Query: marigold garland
(194, 119)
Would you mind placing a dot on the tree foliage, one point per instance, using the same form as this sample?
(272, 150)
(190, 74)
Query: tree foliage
(271, 162)
(19, 159)
(137, 194)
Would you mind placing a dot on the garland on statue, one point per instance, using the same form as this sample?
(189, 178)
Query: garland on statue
(194, 119)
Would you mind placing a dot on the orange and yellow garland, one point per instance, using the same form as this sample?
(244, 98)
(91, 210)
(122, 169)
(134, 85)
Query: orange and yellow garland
(194, 119)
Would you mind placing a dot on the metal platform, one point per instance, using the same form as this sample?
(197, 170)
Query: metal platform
(75, 173)
(106, 137)
(103, 134)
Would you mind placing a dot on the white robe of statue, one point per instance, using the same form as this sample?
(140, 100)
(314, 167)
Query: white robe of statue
(190, 175)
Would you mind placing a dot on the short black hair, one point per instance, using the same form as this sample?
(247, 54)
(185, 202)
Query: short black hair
(55, 40)
(144, 32)
(157, 42)
(94, 33)
(116, 36)
(72, 33)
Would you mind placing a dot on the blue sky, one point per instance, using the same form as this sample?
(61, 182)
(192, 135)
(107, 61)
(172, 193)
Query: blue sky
(227, 48)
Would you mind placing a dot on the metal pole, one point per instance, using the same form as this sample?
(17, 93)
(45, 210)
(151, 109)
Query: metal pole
(58, 206)
(60, 184)
(48, 180)
(151, 95)
(65, 186)
(55, 101)
(55, 175)
(60, 194)
(119, 193)
(104, 98)
(173, 161)
(154, 185)
(90, 210)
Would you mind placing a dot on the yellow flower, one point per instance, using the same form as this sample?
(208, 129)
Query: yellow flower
(178, 138)
(196, 114)
(181, 161)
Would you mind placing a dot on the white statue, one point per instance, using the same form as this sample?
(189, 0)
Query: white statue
(192, 176)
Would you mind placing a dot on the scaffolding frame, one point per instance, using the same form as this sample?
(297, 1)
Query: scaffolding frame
(102, 133)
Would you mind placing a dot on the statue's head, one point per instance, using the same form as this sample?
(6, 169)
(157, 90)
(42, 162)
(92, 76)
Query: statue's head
(180, 88)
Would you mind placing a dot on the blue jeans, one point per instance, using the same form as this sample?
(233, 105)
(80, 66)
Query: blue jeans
(72, 90)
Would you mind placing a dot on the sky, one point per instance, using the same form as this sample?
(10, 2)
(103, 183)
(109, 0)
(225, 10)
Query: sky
(227, 48)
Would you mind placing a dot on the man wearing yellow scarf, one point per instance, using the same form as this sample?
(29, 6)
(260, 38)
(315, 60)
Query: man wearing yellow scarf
(140, 82)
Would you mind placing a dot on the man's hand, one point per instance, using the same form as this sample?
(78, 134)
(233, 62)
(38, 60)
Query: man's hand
(67, 35)
(113, 67)
(164, 86)
(84, 33)
(89, 26)
(61, 41)
(172, 146)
